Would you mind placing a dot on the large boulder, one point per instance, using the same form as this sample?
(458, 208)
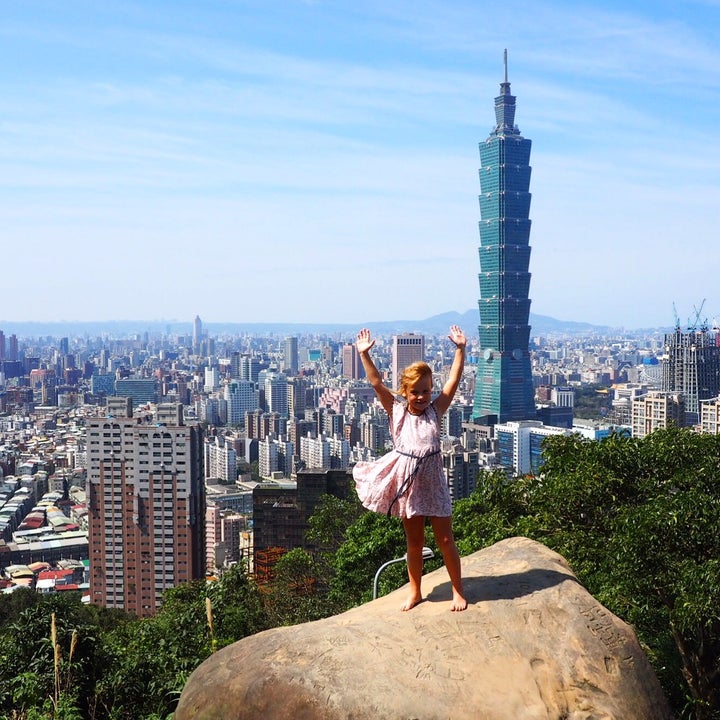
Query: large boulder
(532, 645)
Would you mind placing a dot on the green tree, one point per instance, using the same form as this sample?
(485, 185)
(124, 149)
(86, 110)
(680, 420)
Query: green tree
(592, 401)
(152, 658)
(294, 595)
(109, 664)
(12, 604)
(492, 513)
(328, 529)
(32, 675)
(237, 605)
(370, 541)
(638, 521)
(351, 545)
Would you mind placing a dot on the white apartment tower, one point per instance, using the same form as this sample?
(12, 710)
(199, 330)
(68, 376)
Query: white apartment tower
(406, 349)
(211, 379)
(655, 410)
(241, 397)
(220, 459)
(275, 455)
(146, 503)
(710, 416)
(324, 452)
(276, 393)
(519, 444)
(268, 461)
(315, 452)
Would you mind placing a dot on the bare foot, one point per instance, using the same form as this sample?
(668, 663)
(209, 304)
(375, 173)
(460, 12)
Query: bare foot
(411, 602)
(459, 603)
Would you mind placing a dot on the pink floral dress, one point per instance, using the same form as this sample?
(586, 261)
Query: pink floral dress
(409, 480)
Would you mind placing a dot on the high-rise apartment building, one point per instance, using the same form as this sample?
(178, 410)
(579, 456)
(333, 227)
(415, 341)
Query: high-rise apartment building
(12, 352)
(197, 334)
(691, 366)
(519, 444)
(352, 367)
(324, 451)
(461, 468)
(146, 506)
(657, 410)
(241, 397)
(224, 527)
(213, 536)
(504, 387)
(244, 367)
(275, 455)
(259, 424)
(220, 459)
(710, 416)
(291, 363)
(140, 390)
(212, 379)
(315, 452)
(406, 349)
(297, 396)
(276, 393)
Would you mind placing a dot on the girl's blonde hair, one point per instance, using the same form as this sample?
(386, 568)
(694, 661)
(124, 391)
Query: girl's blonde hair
(411, 374)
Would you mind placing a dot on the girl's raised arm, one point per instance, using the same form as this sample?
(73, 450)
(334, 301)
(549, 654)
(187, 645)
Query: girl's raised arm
(363, 344)
(443, 400)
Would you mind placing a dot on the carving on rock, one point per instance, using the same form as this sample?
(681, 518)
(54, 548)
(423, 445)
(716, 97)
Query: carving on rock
(533, 644)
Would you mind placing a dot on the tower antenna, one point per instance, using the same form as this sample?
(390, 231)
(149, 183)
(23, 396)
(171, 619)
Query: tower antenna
(505, 63)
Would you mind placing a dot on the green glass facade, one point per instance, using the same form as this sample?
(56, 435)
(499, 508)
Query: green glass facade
(504, 388)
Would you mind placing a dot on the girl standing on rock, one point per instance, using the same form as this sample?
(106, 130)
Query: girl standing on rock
(409, 482)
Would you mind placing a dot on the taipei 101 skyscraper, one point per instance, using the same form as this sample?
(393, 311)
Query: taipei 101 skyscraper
(504, 387)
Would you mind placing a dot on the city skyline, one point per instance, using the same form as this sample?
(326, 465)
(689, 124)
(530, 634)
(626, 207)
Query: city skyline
(168, 161)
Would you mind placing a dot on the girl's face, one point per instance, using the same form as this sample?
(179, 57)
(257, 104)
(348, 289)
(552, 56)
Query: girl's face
(419, 395)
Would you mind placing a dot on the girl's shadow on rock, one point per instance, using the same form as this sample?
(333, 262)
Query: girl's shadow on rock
(502, 587)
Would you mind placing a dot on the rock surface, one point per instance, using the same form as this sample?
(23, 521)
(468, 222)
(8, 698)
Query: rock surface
(532, 645)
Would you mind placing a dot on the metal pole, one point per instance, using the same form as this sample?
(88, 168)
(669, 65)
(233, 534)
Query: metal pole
(427, 553)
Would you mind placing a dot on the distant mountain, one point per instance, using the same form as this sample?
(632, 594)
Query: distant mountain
(435, 325)
(469, 320)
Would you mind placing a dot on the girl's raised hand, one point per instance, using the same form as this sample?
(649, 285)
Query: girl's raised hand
(364, 342)
(457, 336)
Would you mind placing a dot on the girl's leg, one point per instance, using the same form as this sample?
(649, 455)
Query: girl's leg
(415, 537)
(442, 527)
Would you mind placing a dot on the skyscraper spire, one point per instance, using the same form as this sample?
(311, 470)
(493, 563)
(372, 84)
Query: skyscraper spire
(504, 388)
(505, 107)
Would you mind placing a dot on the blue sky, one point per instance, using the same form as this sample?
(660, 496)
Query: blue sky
(317, 161)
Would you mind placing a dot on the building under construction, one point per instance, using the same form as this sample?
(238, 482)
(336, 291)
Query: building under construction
(691, 366)
(281, 514)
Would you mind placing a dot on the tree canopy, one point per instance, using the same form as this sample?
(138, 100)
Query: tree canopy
(638, 522)
(637, 519)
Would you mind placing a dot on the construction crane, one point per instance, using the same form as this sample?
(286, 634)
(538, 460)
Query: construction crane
(703, 325)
